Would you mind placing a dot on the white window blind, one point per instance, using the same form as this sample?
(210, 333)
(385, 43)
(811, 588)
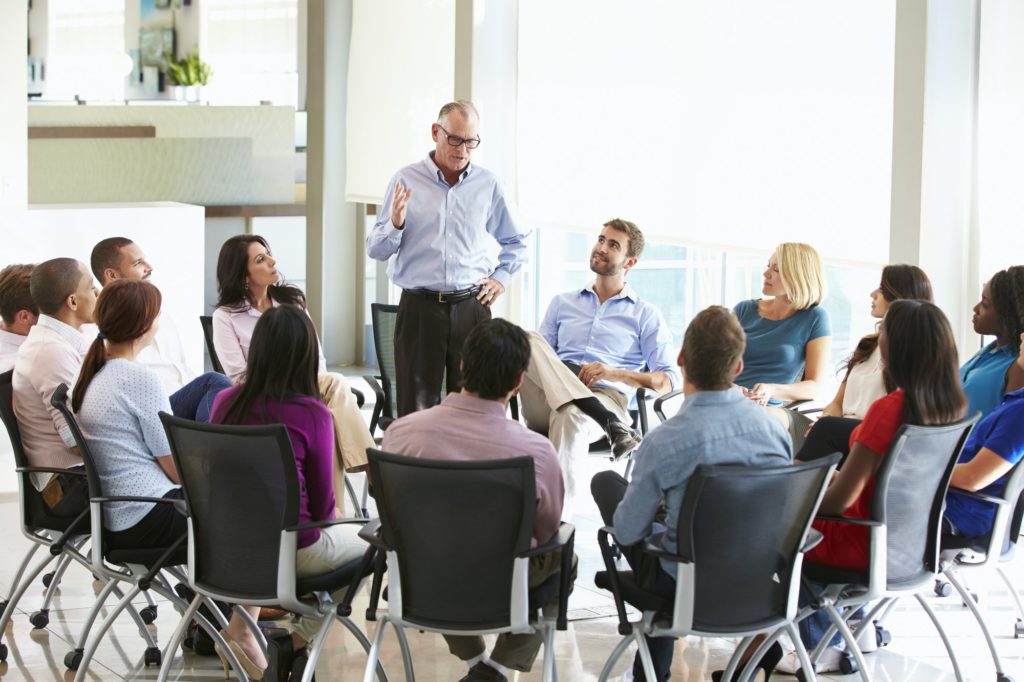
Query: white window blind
(252, 46)
(86, 52)
(401, 70)
(739, 122)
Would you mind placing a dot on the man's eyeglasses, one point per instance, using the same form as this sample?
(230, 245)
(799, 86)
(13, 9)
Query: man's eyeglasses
(456, 141)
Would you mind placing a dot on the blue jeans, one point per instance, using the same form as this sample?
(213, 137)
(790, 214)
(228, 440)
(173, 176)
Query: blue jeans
(194, 400)
(814, 627)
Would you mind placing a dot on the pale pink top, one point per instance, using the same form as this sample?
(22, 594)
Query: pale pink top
(51, 355)
(232, 334)
(9, 345)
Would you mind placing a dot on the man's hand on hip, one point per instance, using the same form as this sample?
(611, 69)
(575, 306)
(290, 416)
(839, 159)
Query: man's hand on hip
(490, 290)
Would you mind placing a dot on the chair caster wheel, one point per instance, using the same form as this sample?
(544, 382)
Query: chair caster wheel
(3, 653)
(848, 664)
(152, 656)
(882, 636)
(1000, 677)
(39, 619)
(800, 676)
(1018, 629)
(974, 596)
(943, 588)
(148, 614)
(73, 659)
(47, 579)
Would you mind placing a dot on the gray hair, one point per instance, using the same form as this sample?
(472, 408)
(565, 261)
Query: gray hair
(463, 106)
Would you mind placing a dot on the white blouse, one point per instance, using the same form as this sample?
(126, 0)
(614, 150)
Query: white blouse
(864, 385)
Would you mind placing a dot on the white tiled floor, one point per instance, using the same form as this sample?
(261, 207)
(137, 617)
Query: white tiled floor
(916, 654)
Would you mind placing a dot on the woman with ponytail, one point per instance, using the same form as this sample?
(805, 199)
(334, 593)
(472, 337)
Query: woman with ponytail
(117, 401)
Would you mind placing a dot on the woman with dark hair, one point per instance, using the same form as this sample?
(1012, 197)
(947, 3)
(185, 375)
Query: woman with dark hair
(281, 386)
(920, 356)
(249, 285)
(117, 401)
(864, 382)
(990, 374)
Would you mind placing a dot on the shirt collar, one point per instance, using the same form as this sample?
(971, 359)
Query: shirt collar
(65, 331)
(469, 403)
(1014, 395)
(729, 395)
(627, 292)
(436, 172)
(11, 336)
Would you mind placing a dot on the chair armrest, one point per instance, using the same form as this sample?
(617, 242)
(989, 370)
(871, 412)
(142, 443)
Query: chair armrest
(982, 497)
(126, 498)
(810, 410)
(360, 398)
(49, 470)
(793, 404)
(158, 566)
(607, 542)
(812, 540)
(378, 401)
(322, 524)
(659, 402)
(843, 519)
(57, 546)
(562, 537)
(344, 608)
(371, 533)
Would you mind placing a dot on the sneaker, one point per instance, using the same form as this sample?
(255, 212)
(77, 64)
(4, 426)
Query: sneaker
(867, 640)
(828, 663)
(481, 672)
(623, 439)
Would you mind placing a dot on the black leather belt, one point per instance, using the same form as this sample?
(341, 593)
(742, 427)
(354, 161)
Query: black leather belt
(447, 296)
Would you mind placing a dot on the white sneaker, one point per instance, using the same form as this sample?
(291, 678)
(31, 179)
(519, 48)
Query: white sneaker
(828, 663)
(866, 640)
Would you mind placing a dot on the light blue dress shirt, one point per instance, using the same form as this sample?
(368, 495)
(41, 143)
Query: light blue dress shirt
(448, 240)
(984, 377)
(624, 332)
(712, 427)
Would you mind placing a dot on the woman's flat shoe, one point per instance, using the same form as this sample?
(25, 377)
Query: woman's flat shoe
(767, 664)
(251, 669)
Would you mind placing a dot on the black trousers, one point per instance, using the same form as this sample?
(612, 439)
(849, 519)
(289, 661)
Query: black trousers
(828, 435)
(428, 342)
(160, 527)
(608, 489)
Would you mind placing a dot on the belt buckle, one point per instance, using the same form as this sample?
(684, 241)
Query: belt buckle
(440, 297)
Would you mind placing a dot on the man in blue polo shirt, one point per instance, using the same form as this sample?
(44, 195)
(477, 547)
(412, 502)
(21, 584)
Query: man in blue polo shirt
(595, 346)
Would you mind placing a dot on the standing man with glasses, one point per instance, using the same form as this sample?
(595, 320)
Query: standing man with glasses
(437, 227)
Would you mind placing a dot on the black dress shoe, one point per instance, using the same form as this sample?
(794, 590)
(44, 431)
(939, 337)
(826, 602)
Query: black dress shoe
(481, 672)
(767, 663)
(623, 439)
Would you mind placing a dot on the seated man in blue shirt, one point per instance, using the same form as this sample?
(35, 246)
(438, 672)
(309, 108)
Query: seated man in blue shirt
(716, 425)
(593, 350)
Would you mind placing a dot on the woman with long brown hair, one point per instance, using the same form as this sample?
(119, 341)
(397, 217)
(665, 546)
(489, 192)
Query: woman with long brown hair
(117, 401)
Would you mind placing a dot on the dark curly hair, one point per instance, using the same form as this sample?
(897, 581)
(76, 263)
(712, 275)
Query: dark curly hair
(1007, 288)
(233, 268)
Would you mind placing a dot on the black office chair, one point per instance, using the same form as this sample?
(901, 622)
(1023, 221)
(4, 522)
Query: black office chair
(385, 407)
(741, 537)
(242, 493)
(961, 553)
(207, 322)
(903, 531)
(63, 537)
(138, 569)
(472, 578)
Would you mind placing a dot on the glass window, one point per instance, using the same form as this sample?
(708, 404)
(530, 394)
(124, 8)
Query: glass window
(85, 51)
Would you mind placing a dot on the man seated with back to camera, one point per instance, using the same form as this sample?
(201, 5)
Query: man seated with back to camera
(596, 345)
(472, 425)
(716, 425)
(18, 312)
(191, 396)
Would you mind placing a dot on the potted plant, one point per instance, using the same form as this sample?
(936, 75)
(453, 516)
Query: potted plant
(189, 73)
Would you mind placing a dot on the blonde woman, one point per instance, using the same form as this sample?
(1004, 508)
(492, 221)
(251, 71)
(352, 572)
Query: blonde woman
(789, 335)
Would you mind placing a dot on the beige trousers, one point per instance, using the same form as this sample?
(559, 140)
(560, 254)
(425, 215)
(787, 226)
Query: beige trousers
(549, 388)
(336, 546)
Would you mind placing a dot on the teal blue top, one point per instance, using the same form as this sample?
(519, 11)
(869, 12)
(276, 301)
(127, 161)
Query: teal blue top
(984, 377)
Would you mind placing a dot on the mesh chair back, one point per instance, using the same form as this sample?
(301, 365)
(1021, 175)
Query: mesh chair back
(59, 400)
(742, 528)
(34, 512)
(384, 318)
(241, 489)
(456, 528)
(1012, 493)
(207, 322)
(910, 494)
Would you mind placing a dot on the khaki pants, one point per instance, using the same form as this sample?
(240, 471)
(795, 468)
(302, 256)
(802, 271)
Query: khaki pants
(549, 388)
(336, 546)
(517, 652)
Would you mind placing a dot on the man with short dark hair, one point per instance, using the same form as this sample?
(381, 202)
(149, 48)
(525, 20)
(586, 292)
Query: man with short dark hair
(472, 425)
(18, 312)
(191, 396)
(596, 346)
(52, 355)
(438, 224)
(716, 425)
